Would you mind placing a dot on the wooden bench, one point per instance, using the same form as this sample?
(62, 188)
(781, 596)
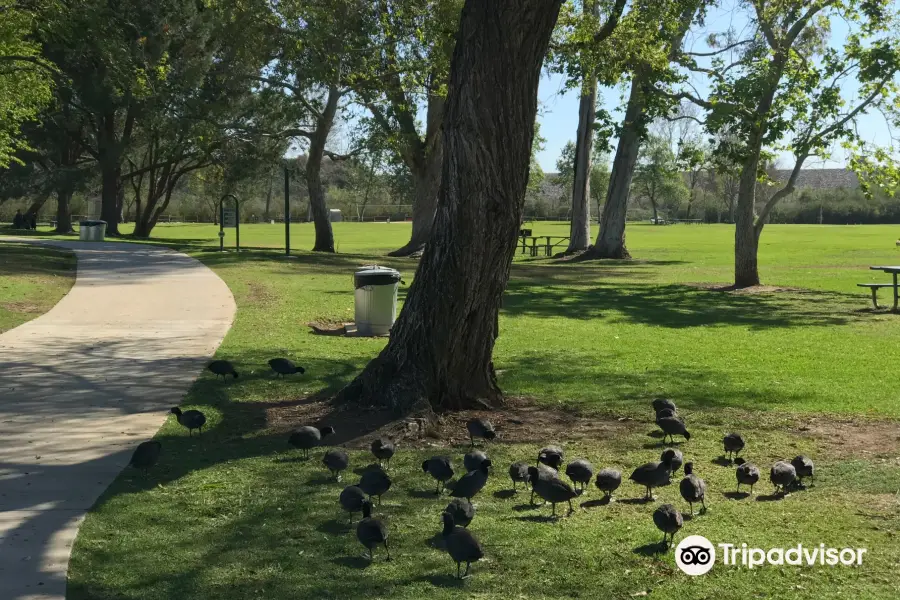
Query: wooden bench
(874, 287)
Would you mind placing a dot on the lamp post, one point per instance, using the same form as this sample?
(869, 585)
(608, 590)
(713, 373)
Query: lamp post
(287, 210)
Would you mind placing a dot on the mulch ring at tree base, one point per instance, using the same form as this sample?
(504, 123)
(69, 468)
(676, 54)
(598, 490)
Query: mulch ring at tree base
(523, 421)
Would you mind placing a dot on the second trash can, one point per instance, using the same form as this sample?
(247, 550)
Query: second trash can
(375, 299)
(91, 231)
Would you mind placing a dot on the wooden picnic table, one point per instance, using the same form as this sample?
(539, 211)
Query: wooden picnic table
(874, 287)
(548, 244)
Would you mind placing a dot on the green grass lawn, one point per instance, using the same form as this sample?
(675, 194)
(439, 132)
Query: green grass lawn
(809, 368)
(32, 280)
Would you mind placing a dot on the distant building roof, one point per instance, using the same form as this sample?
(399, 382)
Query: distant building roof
(821, 179)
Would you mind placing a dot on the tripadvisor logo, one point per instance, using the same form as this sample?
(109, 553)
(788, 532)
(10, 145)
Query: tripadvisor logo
(695, 555)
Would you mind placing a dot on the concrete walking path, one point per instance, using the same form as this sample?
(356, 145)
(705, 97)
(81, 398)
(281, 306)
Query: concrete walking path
(85, 383)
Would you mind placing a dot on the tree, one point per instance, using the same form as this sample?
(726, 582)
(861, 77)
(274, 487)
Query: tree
(318, 51)
(790, 90)
(439, 352)
(565, 167)
(662, 28)
(657, 178)
(26, 81)
(413, 41)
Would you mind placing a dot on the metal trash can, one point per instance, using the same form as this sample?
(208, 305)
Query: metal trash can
(91, 231)
(375, 299)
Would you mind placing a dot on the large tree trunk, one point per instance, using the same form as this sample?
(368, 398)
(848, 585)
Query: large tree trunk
(746, 272)
(611, 239)
(441, 345)
(427, 183)
(36, 206)
(63, 209)
(324, 235)
(269, 195)
(425, 162)
(580, 232)
(110, 173)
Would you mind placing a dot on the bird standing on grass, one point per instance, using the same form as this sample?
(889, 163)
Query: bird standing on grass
(580, 472)
(552, 489)
(668, 519)
(372, 532)
(146, 455)
(351, 500)
(480, 428)
(608, 481)
(472, 482)
(222, 368)
(306, 438)
(672, 426)
(283, 366)
(674, 458)
(651, 475)
(733, 444)
(440, 468)
(461, 510)
(473, 459)
(692, 488)
(336, 460)
(782, 475)
(552, 456)
(192, 419)
(462, 546)
(383, 449)
(660, 404)
(374, 481)
(518, 472)
(748, 474)
(804, 467)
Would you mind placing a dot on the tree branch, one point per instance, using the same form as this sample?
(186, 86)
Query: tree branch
(298, 94)
(720, 51)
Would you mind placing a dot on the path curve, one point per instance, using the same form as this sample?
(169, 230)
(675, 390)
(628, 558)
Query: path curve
(83, 384)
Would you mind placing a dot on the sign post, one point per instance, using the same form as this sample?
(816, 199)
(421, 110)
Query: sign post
(287, 212)
(229, 217)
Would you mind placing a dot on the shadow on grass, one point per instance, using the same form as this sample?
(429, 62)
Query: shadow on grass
(676, 306)
(737, 495)
(652, 549)
(505, 494)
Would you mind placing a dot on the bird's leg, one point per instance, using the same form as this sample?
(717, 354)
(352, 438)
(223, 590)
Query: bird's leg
(458, 576)
(751, 489)
(571, 510)
(738, 490)
(471, 440)
(387, 550)
(440, 488)
(691, 504)
(554, 509)
(703, 502)
(466, 574)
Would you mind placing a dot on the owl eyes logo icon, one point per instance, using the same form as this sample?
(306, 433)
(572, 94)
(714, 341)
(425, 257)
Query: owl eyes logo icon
(695, 555)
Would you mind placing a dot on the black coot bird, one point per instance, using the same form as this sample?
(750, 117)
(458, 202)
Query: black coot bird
(543, 472)
(223, 368)
(383, 449)
(692, 488)
(782, 475)
(306, 438)
(552, 456)
(372, 532)
(192, 419)
(283, 367)
(351, 500)
(462, 546)
(580, 472)
(472, 482)
(552, 490)
(804, 467)
(374, 481)
(661, 404)
(674, 458)
(336, 460)
(666, 412)
(672, 426)
(608, 481)
(733, 444)
(651, 475)
(440, 468)
(146, 455)
(473, 459)
(748, 474)
(518, 472)
(461, 510)
(668, 519)
(480, 428)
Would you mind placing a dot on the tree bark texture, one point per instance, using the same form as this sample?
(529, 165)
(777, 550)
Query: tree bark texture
(439, 353)
(746, 271)
(322, 222)
(36, 206)
(611, 239)
(580, 231)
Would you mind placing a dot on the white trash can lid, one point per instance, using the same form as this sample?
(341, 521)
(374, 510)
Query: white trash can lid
(375, 275)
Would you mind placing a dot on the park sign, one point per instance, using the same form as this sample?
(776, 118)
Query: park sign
(229, 217)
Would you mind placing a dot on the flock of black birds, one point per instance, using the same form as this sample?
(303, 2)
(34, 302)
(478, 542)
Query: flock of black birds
(543, 476)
